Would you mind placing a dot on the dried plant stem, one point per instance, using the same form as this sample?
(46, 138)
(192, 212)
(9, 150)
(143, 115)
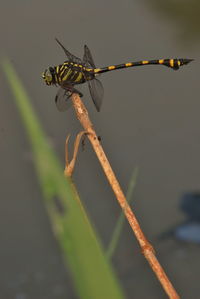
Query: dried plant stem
(69, 167)
(147, 249)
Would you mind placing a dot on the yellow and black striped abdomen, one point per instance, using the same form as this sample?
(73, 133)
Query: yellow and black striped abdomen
(172, 63)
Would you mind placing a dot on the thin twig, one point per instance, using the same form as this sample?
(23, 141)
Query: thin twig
(146, 247)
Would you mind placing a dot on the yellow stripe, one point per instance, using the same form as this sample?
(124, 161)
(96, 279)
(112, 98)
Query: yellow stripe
(179, 63)
(145, 62)
(111, 67)
(95, 70)
(171, 62)
(74, 75)
(62, 71)
(67, 75)
(57, 69)
(161, 61)
(79, 77)
(57, 78)
(128, 64)
(62, 67)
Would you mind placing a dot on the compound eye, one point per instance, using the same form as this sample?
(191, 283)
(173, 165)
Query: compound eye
(44, 74)
(48, 77)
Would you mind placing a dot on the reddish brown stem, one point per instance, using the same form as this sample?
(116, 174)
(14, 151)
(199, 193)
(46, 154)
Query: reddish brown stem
(146, 247)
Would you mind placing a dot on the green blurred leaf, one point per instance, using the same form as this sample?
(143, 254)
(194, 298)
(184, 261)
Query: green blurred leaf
(120, 222)
(92, 274)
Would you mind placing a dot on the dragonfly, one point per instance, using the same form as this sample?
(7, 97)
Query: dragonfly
(75, 71)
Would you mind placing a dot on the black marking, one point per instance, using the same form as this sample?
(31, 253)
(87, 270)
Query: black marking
(70, 76)
(185, 61)
(59, 206)
(64, 73)
(176, 65)
(57, 76)
(75, 76)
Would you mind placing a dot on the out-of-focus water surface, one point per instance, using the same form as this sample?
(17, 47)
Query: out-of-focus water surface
(149, 119)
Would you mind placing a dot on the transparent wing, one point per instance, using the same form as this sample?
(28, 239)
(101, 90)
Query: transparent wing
(95, 86)
(62, 99)
(87, 58)
(70, 56)
(96, 91)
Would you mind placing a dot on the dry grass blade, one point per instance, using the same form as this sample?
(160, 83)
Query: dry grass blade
(69, 166)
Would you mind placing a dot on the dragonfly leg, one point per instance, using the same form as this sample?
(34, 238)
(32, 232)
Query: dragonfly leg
(77, 91)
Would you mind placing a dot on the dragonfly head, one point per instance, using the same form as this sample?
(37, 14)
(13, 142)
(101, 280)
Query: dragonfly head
(49, 76)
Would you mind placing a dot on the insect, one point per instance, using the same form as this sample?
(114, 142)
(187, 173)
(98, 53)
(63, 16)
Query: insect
(76, 71)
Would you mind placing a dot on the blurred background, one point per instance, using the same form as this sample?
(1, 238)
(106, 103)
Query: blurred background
(149, 119)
